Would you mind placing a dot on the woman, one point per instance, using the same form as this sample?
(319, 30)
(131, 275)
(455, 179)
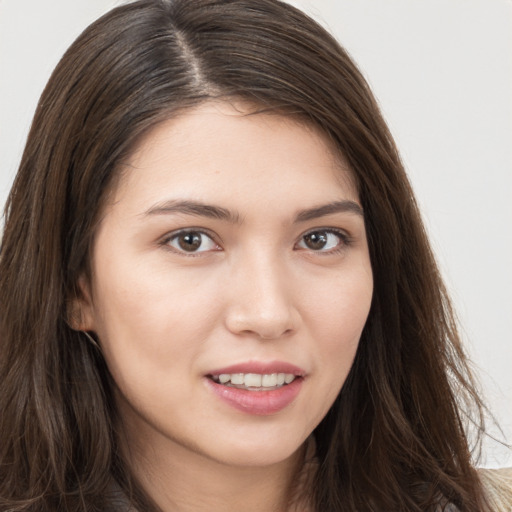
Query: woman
(216, 290)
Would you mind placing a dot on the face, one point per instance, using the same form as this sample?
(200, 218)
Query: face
(230, 284)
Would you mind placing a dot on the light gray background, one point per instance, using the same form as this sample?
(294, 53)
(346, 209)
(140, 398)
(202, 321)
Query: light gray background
(442, 72)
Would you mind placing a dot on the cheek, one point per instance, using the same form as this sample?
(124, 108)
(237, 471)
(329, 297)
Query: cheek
(337, 311)
(154, 319)
(340, 305)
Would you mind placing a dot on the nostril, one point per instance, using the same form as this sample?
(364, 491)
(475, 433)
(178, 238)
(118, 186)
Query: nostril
(275, 335)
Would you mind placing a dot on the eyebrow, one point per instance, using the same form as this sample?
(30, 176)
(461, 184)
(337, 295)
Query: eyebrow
(195, 208)
(344, 206)
(199, 209)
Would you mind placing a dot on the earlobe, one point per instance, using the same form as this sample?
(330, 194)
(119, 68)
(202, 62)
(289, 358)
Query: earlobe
(79, 308)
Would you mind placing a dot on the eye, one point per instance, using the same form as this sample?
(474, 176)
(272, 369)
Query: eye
(191, 242)
(323, 240)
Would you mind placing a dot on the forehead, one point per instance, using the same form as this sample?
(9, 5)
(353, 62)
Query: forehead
(232, 149)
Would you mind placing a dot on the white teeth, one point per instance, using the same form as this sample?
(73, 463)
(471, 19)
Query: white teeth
(269, 381)
(252, 380)
(288, 378)
(237, 378)
(255, 380)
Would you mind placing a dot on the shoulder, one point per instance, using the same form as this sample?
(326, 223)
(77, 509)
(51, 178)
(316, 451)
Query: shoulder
(498, 487)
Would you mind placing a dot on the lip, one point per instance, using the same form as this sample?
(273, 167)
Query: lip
(264, 368)
(258, 403)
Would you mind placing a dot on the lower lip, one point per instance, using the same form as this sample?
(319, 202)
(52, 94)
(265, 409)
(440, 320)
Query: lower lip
(259, 403)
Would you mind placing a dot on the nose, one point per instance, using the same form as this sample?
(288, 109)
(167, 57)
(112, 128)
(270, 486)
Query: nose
(262, 301)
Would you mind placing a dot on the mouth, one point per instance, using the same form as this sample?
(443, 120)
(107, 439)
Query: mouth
(254, 381)
(257, 388)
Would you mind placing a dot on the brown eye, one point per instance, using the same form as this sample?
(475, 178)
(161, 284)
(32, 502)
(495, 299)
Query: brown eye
(192, 241)
(321, 241)
(316, 241)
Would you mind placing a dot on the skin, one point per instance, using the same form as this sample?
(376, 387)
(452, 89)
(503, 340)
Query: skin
(254, 290)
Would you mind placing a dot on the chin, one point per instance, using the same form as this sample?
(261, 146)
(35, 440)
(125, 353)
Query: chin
(258, 451)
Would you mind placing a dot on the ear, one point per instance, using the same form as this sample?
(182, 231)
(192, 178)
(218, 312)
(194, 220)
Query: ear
(80, 314)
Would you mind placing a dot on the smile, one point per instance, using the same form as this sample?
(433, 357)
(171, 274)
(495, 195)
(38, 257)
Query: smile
(257, 388)
(254, 381)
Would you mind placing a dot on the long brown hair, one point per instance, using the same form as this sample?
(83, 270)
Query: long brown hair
(395, 439)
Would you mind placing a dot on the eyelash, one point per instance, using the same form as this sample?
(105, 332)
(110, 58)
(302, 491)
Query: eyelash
(176, 234)
(344, 241)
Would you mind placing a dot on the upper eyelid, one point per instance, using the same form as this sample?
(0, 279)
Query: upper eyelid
(338, 231)
(203, 231)
(165, 242)
(343, 233)
(345, 239)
